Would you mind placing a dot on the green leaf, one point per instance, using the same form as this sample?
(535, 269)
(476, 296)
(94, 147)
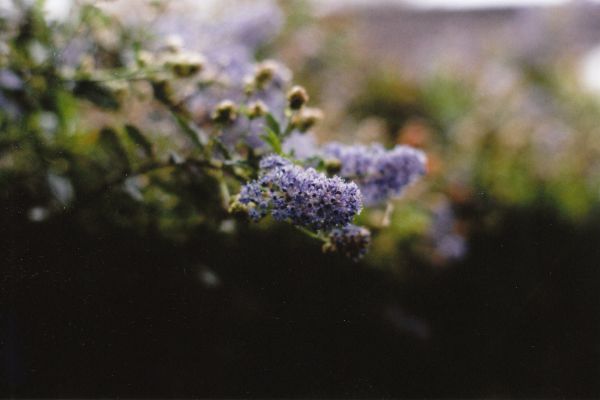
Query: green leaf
(222, 148)
(316, 162)
(97, 93)
(273, 140)
(196, 135)
(272, 124)
(138, 138)
(110, 141)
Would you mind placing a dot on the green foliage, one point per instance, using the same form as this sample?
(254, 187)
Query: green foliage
(139, 139)
(67, 149)
(97, 93)
(272, 124)
(273, 140)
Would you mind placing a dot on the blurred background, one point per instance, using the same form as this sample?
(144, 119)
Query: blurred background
(484, 284)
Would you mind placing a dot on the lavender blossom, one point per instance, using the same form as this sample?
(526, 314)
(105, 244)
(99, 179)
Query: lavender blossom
(351, 240)
(301, 196)
(271, 162)
(380, 173)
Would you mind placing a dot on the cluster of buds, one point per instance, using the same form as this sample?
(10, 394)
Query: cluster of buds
(302, 118)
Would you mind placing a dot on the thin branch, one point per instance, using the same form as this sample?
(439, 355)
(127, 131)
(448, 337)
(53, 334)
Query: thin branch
(148, 168)
(310, 233)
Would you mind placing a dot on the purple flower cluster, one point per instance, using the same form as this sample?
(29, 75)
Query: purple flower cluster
(380, 173)
(351, 240)
(301, 196)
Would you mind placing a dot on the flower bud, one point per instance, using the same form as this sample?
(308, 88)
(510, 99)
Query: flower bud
(249, 85)
(265, 71)
(257, 109)
(297, 97)
(185, 65)
(306, 118)
(225, 112)
(333, 165)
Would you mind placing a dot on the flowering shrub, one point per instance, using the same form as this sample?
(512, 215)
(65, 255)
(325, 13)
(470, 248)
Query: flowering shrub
(190, 137)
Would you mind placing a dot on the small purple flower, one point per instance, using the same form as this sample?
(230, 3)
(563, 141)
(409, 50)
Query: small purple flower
(257, 201)
(273, 161)
(301, 196)
(351, 240)
(380, 173)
